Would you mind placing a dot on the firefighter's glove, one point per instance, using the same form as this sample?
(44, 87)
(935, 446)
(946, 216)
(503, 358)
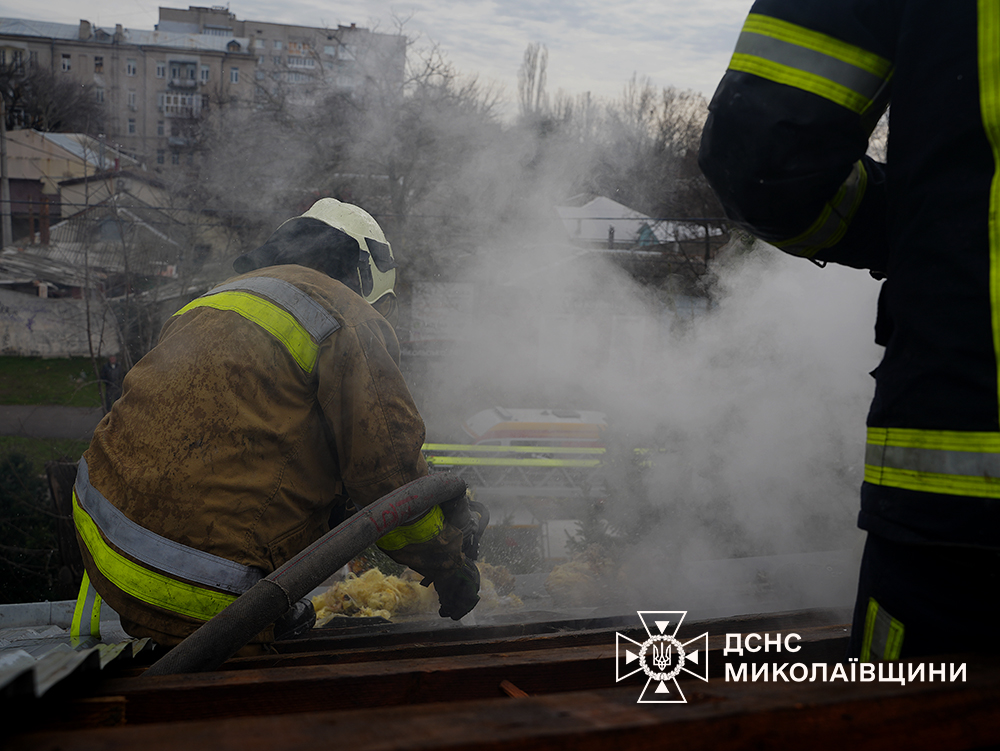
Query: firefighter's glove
(471, 517)
(296, 622)
(433, 558)
(458, 592)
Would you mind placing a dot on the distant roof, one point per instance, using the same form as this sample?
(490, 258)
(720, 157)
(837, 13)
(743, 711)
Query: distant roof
(588, 219)
(88, 149)
(66, 31)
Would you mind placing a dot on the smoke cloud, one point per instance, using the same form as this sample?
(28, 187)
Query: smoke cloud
(754, 411)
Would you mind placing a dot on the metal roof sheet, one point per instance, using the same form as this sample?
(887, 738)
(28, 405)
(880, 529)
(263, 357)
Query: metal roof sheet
(37, 651)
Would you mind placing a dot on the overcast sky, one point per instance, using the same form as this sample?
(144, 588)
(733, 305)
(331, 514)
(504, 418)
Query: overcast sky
(594, 45)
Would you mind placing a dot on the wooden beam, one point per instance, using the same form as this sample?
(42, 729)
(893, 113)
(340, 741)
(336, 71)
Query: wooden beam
(380, 682)
(719, 716)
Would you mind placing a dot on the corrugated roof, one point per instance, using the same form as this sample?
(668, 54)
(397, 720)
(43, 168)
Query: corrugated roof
(37, 651)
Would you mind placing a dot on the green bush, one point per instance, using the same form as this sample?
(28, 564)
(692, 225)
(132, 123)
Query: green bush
(29, 559)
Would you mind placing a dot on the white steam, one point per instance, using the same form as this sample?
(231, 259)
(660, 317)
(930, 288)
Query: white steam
(756, 408)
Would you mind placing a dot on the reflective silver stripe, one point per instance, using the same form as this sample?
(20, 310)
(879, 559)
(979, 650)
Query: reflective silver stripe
(314, 318)
(833, 222)
(859, 80)
(158, 552)
(934, 461)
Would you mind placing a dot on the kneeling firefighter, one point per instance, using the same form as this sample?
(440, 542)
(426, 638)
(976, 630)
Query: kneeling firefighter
(267, 405)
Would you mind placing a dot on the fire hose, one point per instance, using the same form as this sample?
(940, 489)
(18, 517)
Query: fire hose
(270, 598)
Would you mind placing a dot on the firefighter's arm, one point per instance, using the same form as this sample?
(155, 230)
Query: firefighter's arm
(378, 434)
(784, 143)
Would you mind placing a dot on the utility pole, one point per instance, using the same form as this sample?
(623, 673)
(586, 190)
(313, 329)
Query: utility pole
(8, 232)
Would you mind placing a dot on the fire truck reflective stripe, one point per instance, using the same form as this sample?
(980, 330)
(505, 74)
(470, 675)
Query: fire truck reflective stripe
(883, 637)
(314, 318)
(989, 104)
(537, 449)
(87, 613)
(793, 55)
(423, 529)
(489, 461)
(834, 220)
(932, 461)
(143, 584)
(292, 319)
(158, 552)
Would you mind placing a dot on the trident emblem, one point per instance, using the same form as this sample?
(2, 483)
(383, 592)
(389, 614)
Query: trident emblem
(661, 655)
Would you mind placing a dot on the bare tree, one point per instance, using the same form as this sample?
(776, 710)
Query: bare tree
(532, 98)
(35, 97)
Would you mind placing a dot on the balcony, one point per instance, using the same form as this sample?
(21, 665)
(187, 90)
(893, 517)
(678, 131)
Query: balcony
(183, 83)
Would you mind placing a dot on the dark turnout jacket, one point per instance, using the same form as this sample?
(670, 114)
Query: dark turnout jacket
(784, 148)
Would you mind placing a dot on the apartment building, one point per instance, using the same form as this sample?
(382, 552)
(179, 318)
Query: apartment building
(158, 87)
(297, 64)
(155, 87)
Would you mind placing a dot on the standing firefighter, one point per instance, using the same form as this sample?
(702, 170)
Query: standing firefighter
(784, 147)
(267, 404)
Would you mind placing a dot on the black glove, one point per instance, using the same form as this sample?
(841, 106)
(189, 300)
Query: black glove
(471, 517)
(458, 592)
(296, 622)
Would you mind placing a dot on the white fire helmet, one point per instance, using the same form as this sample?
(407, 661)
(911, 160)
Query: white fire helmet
(378, 280)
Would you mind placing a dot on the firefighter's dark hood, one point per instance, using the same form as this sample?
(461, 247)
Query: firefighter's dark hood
(308, 242)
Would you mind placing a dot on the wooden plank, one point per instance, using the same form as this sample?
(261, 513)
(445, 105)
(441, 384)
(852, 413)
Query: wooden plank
(720, 716)
(383, 683)
(417, 650)
(554, 624)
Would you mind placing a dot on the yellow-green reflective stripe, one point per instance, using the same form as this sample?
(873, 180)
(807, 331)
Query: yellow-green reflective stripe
(929, 482)
(934, 461)
(143, 584)
(277, 321)
(87, 610)
(810, 82)
(835, 218)
(512, 449)
(883, 634)
(422, 530)
(989, 103)
(795, 56)
(786, 31)
(944, 440)
(468, 461)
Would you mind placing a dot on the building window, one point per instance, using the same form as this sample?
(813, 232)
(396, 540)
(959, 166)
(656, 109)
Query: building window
(17, 60)
(130, 67)
(175, 157)
(131, 99)
(99, 94)
(234, 75)
(204, 73)
(98, 64)
(301, 62)
(330, 49)
(175, 71)
(159, 129)
(161, 69)
(277, 59)
(33, 58)
(67, 63)
(161, 156)
(277, 44)
(204, 101)
(131, 126)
